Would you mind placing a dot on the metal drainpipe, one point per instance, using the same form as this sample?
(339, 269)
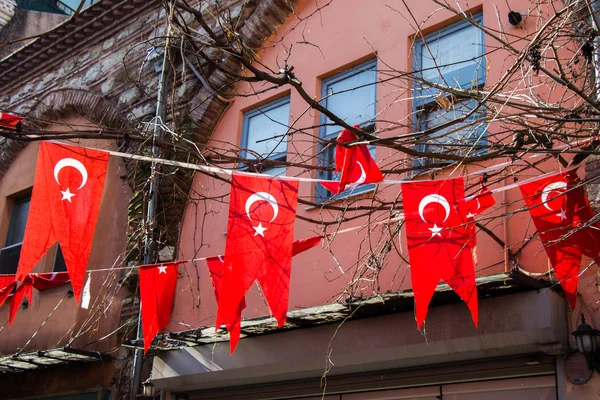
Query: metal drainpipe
(507, 266)
(595, 16)
(149, 256)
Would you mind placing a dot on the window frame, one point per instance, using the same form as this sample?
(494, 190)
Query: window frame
(427, 102)
(261, 110)
(322, 194)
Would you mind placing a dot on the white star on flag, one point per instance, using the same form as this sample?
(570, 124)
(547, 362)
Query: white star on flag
(260, 230)
(435, 231)
(562, 214)
(66, 195)
(162, 269)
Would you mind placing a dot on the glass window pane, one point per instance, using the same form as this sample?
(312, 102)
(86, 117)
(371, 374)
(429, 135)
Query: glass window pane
(463, 134)
(9, 259)
(18, 220)
(451, 52)
(266, 131)
(59, 261)
(73, 4)
(453, 56)
(352, 99)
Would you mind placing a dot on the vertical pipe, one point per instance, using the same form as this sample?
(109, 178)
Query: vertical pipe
(507, 266)
(595, 17)
(149, 222)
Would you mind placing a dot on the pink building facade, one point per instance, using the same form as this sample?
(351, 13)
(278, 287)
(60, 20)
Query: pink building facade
(351, 329)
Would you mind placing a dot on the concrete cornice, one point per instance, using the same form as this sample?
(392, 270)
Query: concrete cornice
(50, 48)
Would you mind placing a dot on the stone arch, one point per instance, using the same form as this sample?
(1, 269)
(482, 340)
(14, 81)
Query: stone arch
(58, 104)
(64, 102)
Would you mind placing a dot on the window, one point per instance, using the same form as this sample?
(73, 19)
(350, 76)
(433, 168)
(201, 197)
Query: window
(9, 255)
(66, 7)
(454, 57)
(70, 6)
(264, 135)
(351, 95)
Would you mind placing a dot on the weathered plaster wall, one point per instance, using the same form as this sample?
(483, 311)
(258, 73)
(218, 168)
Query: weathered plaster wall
(25, 24)
(102, 68)
(317, 277)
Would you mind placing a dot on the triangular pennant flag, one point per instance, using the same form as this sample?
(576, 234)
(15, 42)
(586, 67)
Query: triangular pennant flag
(438, 242)
(49, 280)
(67, 191)
(9, 120)
(560, 211)
(157, 292)
(301, 245)
(41, 281)
(7, 285)
(216, 265)
(258, 247)
(24, 289)
(472, 208)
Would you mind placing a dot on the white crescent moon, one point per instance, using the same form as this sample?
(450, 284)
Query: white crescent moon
(361, 179)
(71, 162)
(548, 189)
(478, 204)
(264, 196)
(434, 198)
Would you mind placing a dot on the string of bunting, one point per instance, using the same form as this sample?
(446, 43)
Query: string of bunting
(326, 183)
(439, 219)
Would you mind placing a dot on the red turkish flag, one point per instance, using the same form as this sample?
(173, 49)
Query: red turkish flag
(301, 245)
(67, 191)
(355, 164)
(438, 242)
(258, 247)
(24, 289)
(9, 120)
(50, 280)
(42, 281)
(479, 203)
(7, 284)
(474, 207)
(216, 265)
(157, 291)
(560, 210)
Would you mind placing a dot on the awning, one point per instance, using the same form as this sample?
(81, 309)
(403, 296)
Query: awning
(519, 316)
(25, 362)
(515, 281)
